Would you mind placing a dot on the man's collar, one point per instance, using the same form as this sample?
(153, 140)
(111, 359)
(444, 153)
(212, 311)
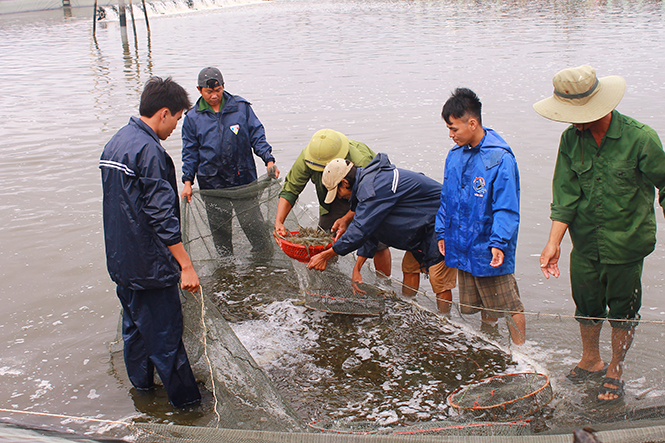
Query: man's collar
(614, 131)
(480, 143)
(203, 105)
(146, 127)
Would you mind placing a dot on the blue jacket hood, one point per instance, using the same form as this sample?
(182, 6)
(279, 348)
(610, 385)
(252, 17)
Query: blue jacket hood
(491, 157)
(367, 176)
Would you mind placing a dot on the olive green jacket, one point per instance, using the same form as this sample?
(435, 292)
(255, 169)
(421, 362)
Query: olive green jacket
(605, 194)
(300, 174)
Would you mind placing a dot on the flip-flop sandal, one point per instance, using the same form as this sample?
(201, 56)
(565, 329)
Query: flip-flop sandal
(579, 375)
(604, 390)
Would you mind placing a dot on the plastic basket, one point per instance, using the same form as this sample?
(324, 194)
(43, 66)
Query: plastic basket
(301, 253)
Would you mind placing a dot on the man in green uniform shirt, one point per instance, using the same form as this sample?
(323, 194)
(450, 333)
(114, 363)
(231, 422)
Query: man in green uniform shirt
(324, 146)
(603, 194)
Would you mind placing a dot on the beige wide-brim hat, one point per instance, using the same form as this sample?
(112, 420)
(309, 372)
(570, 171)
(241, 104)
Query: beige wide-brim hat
(581, 97)
(333, 174)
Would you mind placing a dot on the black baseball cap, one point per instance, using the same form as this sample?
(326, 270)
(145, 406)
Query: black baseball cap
(210, 78)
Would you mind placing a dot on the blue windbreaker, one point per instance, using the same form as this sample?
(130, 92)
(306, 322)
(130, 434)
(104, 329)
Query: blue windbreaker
(480, 206)
(141, 209)
(393, 206)
(218, 146)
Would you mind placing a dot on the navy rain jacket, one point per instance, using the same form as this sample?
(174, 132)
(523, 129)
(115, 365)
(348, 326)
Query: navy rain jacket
(393, 206)
(141, 209)
(218, 146)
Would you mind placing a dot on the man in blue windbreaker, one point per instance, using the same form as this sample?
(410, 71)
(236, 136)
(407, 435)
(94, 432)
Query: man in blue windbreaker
(144, 252)
(478, 219)
(394, 206)
(219, 134)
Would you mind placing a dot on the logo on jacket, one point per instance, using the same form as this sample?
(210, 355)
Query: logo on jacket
(235, 129)
(479, 187)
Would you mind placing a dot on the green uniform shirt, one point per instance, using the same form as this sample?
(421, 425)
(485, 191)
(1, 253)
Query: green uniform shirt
(300, 174)
(605, 194)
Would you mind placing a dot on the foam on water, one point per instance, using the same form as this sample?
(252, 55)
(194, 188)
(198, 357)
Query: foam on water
(389, 370)
(279, 336)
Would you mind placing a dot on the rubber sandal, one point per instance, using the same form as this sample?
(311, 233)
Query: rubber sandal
(579, 375)
(618, 391)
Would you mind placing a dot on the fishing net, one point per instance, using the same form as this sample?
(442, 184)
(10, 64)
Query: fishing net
(467, 429)
(224, 232)
(230, 225)
(170, 433)
(235, 225)
(333, 292)
(243, 396)
(440, 428)
(419, 359)
(504, 397)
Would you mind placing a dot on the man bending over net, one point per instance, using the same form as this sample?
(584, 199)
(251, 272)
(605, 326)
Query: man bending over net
(393, 206)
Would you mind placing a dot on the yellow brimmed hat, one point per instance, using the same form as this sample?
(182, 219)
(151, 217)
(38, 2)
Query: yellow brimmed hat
(325, 145)
(581, 97)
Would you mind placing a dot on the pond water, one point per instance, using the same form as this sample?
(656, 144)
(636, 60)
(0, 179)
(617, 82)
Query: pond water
(378, 71)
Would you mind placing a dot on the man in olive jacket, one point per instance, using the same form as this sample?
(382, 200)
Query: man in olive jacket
(603, 193)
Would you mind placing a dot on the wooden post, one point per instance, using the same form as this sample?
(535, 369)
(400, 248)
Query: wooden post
(94, 19)
(145, 12)
(123, 21)
(131, 12)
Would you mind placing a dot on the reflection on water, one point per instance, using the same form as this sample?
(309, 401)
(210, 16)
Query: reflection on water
(379, 71)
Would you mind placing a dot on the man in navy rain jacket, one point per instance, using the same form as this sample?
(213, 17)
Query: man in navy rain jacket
(393, 206)
(144, 252)
(478, 220)
(219, 134)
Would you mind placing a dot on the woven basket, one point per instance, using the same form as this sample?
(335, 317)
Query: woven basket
(301, 253)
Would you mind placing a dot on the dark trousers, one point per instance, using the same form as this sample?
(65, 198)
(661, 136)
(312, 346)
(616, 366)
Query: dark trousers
(152, 334)
(338, 209)
(220, 217)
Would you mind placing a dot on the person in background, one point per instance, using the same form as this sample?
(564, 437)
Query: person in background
(393, 206)
(219, 134)
(602, 194)
(144, 252)
(325, 145)
(478, 219)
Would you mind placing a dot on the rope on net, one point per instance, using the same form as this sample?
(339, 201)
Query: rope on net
(507, 313)
(204, 333)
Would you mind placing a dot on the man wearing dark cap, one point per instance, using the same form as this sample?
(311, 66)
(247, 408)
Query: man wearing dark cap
(220, 134)
(603, 193)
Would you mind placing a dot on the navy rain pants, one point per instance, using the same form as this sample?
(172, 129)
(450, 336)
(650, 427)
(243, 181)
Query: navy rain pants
(152, 332)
